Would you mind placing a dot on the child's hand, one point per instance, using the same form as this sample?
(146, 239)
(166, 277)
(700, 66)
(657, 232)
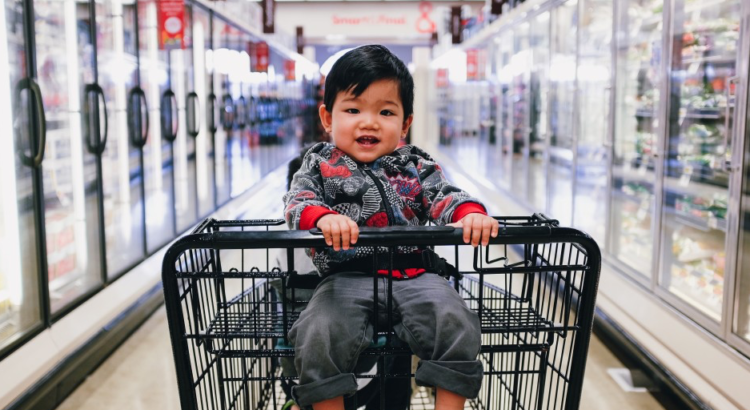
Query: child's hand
(478, 228)
(339, 231)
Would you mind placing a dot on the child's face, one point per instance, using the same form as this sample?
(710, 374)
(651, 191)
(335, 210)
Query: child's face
(369, 126)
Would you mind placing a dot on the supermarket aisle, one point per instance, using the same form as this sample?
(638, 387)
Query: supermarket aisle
(140, 374)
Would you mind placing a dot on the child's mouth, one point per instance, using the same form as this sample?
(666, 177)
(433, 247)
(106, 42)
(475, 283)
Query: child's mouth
(367, 141)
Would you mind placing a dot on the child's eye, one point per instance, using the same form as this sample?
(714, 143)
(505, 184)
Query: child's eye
(387, 113)
(352, 111)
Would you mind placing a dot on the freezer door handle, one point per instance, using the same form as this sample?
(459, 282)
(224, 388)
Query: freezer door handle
(96, 104)
(728, 124)
(252, 111)
(169, 126)
(138, 120)
(192, 108)
(211, 113)
(227, 112)
(240, 111)
(36, 113)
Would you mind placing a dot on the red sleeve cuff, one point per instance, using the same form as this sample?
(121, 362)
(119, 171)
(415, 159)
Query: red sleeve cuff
(310, 216)
(462, 210)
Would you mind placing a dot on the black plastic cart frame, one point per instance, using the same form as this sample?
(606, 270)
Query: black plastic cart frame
(534, 289)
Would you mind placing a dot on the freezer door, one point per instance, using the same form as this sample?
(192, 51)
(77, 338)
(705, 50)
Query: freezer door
(77, 116)
(20, 309)
(594, 139)
(520, 63)
(504, 53)
(123, 204)
(562, 115)
(539, 86)
(638, 54)
(158, 175)
(701, 122)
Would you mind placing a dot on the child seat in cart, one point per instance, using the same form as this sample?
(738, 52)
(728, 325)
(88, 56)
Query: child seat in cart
(232, 294)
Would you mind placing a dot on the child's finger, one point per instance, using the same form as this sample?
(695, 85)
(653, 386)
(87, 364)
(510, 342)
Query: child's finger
(336, 236)
(344, 227)
(476, 232)
(466, 222)
(486, 230)
(354, 231)
(326, 233)
(495, 228)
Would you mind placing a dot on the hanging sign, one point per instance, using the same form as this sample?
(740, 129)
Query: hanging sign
(261, 57)
(496, 7)
(300, 40)
(269, 14)
(455, 25)
(253, 56)
(441, 79)
(472, 65)
(290, 73)
(171, 18)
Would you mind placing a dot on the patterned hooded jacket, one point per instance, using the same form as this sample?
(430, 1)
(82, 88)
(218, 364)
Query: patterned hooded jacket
(405, 187)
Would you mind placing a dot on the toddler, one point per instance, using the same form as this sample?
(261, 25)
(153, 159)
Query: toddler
(364, 179)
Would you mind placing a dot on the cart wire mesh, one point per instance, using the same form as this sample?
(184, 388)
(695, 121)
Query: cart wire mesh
(232, 293)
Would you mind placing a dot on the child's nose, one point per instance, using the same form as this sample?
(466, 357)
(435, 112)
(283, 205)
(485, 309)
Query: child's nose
(369, 122)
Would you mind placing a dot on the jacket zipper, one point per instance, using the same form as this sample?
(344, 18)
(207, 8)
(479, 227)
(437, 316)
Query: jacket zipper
(386, 203)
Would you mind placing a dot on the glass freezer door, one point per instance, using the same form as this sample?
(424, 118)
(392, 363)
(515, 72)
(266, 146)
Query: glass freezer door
(123, 204)
(504, 53)
(594, 83)
(539, 111)
(638, 53)
(222, 141)
(66, 65)
(157, 153)
(562, 103)
(19, 278)
(520, 64)
(701, 120)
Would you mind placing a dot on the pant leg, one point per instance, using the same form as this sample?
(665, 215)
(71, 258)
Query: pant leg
(329, 336)
(442, 331)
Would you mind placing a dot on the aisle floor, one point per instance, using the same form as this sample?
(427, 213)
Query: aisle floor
(141, 373)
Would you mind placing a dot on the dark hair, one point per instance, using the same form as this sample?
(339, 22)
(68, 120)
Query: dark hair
(359, 68)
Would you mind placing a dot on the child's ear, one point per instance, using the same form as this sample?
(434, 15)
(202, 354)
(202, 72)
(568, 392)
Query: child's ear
(405, 127)
(325, 118)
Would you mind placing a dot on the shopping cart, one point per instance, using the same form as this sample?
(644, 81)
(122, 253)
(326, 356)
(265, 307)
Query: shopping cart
(533, 287)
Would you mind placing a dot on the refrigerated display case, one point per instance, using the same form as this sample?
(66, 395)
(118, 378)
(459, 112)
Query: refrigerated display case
(647, 151)
(97, 164)
(20, 299)
(702, 94)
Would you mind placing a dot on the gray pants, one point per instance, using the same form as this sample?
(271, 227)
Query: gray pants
(428, 315)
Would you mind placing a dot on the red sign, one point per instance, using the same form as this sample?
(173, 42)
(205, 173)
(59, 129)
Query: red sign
(441, 80)
(290, 72)
(261, 57)
(171, 23)
(472, 64)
